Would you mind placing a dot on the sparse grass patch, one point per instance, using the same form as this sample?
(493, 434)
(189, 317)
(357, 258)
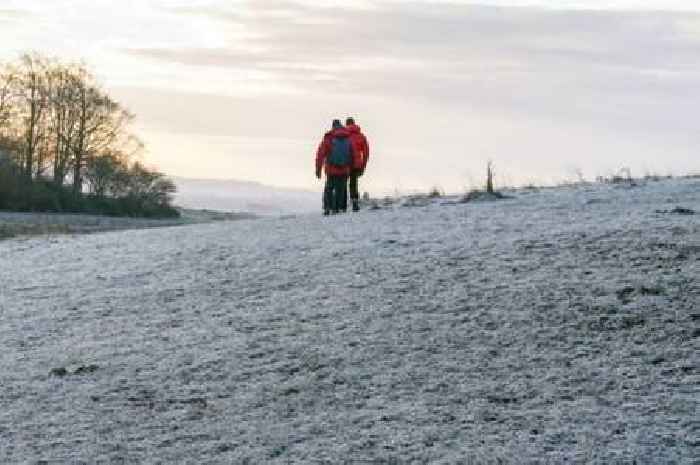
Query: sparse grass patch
(489, 194)
(388, 201)
(622, 178)
(417, 201)
(10, 230)
(483, 196)
(435, 193)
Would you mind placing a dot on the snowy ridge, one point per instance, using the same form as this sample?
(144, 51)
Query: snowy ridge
(559, 326)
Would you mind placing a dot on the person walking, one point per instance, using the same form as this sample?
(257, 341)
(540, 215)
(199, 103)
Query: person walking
(360, 147)
(335, 154)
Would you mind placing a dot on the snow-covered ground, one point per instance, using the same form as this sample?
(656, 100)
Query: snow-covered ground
(561, 326)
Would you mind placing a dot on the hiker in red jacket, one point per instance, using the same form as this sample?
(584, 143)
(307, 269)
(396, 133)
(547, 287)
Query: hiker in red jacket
(360, 158)
(335, 154)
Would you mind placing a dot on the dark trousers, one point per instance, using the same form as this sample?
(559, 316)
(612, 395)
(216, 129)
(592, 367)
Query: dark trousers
(354, 191)
(335, 195)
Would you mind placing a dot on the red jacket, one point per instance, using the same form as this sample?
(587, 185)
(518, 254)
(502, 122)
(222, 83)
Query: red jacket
(324, 150)
(360, 147)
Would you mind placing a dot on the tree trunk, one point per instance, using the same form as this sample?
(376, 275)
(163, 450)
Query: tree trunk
(57, 169)
(489, 178)
(29, 149)
(79, 153)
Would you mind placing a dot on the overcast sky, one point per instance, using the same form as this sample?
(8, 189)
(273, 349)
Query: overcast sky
(245, 89)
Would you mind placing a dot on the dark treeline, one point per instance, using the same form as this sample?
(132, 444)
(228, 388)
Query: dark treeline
(66, 145)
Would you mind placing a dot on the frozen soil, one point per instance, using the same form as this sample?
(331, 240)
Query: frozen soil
(556, 327)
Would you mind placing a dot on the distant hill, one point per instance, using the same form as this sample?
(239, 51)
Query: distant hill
(243, 196)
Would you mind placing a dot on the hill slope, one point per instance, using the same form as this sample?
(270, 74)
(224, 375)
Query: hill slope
(556, 326)
(242, 196)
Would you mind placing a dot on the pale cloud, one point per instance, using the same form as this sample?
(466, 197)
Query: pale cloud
(535, 62)
(541, 86)
(7, 14)
(615, 5)
(690, 27)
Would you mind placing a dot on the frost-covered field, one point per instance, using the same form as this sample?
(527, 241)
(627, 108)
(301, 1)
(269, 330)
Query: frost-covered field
(28, 224)
(557, 327)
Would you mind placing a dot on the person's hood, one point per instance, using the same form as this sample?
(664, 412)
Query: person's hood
(353, 129)
(339, 132)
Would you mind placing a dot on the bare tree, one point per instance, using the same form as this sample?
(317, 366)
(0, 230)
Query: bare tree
(150, 185)
(56, 118)
(104, 173)
(7, 135)
(63, 119)
(6, 80)
(30, 89)
(101, 123)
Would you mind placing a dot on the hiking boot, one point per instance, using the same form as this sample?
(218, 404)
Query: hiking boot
(326, 212)
(355, 206)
